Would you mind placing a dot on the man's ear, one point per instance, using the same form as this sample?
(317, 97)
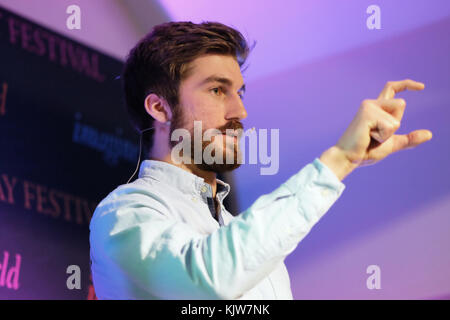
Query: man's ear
(157, 108)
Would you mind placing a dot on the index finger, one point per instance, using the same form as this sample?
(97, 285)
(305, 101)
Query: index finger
(393, 87)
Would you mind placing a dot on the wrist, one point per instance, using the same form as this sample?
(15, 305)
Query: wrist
(336, 160)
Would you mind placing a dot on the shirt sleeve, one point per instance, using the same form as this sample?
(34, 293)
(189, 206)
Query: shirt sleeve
(170, 260)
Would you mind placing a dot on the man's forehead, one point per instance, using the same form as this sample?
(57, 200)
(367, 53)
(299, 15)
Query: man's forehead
(210, 68)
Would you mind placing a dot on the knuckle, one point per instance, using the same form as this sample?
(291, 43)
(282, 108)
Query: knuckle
(386, 124)
(402, 102)
(389, 126)
(396, 125)
(367, 103)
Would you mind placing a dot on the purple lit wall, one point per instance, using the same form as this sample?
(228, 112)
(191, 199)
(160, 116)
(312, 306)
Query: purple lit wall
(394, 214)
(314, 62)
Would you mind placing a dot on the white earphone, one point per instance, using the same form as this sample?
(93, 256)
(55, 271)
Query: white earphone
(140, 148)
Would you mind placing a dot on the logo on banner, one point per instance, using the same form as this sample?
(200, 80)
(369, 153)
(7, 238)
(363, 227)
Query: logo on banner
(54, 48)
(4, 90)
(91, 290)
(47, 201)
(112, 146)
(9, 271)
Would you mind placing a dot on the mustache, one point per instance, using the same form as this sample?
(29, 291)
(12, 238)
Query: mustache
(234, 125)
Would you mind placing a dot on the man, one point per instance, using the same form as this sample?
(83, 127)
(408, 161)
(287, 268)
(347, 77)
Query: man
(167, 234)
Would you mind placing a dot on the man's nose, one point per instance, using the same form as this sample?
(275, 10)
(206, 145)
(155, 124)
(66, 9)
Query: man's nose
(236, 109)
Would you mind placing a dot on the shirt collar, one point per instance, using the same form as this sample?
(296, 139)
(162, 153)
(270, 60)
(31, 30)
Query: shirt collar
(187, 182)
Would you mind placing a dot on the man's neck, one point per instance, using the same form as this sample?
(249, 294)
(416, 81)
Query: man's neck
(208, 176)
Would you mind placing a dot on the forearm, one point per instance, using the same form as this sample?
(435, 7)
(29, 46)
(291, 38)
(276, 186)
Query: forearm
(336, 160)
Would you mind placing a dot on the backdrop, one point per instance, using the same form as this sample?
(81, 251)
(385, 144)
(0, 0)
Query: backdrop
(314, 62)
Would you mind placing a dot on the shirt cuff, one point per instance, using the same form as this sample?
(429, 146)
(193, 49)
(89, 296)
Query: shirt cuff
(317, 188)
(327, 175)
(315, 175)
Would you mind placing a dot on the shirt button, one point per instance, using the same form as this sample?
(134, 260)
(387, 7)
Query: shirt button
(325, 193)
(194, 199)
(203, 189)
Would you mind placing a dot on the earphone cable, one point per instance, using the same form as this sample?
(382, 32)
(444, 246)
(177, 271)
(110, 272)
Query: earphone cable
(140, 151)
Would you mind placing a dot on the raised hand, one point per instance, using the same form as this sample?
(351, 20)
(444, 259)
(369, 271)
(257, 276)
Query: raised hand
(371, 137)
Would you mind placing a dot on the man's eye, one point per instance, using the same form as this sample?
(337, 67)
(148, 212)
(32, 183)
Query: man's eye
(216, 90)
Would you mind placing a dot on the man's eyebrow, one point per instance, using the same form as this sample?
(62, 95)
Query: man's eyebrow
(222, 80)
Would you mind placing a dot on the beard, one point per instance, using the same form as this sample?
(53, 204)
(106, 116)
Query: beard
(233, 149)
(225, 148)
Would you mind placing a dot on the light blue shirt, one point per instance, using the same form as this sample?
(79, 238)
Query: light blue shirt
(156, 238)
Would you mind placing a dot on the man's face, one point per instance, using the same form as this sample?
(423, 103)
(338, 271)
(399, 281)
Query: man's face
(212, 94)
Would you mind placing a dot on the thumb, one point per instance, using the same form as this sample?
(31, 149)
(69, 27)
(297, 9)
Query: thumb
(411, 140)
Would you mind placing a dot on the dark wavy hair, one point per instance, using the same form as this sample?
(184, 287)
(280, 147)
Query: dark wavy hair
(159, 62)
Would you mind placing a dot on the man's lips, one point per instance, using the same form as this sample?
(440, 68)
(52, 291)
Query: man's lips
(233, 136)
(232, 132)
